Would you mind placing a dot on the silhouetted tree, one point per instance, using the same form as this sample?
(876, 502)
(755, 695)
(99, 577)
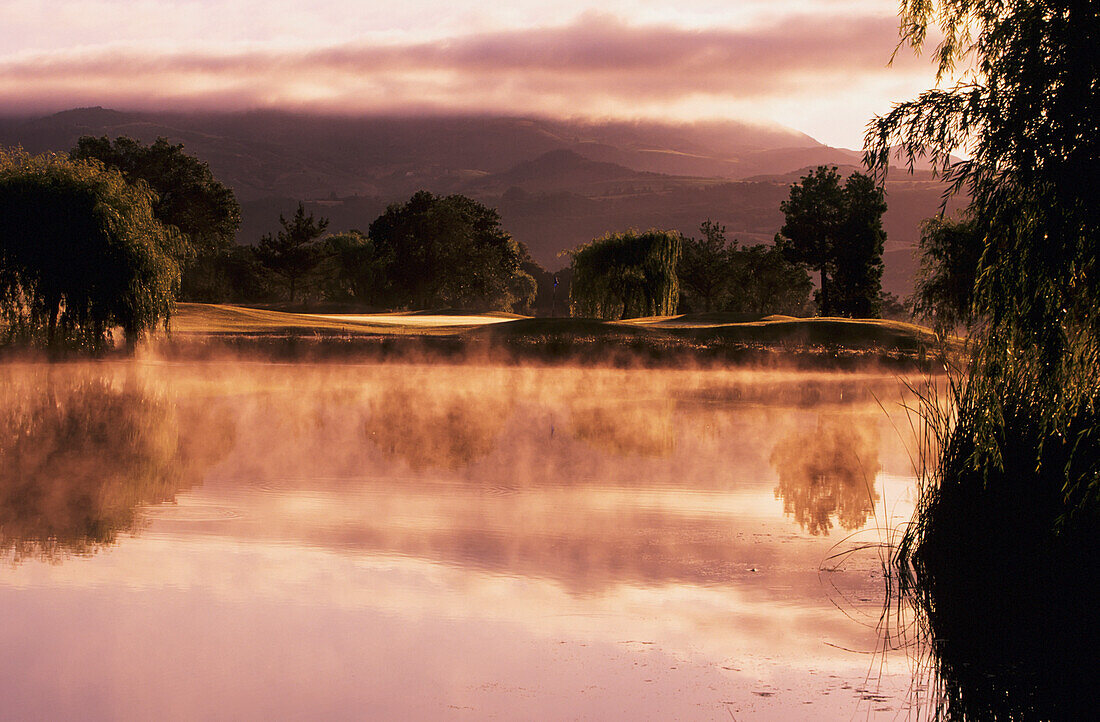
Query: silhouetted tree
(187, 196)
(705, 270)
(626, 275)
(893, 307)
(950, 252)
(814, 213)
(80, 251)
(858, 249)
(449, 251)
(757, 279)
(292, 253)
(1027, 114)
(1004, 554)
(244, 278)
(837, 231)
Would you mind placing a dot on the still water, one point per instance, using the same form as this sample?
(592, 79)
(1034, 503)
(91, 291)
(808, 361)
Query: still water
(256, 541)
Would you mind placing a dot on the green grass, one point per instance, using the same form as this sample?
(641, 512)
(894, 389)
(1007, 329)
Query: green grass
(565, 329)
(711, 329)
(227, 320)
(788, 331)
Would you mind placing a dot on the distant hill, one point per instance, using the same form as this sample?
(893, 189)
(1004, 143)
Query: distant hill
(266, 153)
(556, 170)
(556, 183)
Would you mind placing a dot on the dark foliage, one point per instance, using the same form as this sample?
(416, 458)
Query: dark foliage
(292, 253)
(351, 269)
(765, 282)
(80, 252)
(858, 249)
(716, 276)
(187, 196)
(837, 231)
(1005, 547)
(706, 269)
(814, 213)
(552, 296)
(950, 252)
(626, 275)
(448, 251)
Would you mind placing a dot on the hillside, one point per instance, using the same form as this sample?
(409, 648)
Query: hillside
(556, 183)
(270, 153)
(556, 170)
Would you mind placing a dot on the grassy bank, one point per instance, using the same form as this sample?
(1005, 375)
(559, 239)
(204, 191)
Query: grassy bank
(199, 329)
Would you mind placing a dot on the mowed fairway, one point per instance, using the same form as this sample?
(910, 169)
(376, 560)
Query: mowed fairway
(696, 330)
(778, 330)
(223, 319)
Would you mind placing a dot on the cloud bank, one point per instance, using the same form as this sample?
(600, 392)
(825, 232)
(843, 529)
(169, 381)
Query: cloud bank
(596, 65)
(595, 58)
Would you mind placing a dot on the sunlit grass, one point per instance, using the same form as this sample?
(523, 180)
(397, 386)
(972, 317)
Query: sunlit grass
(222, 319)
(712, 329)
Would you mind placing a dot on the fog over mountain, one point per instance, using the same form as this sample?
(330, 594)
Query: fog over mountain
(556, 183)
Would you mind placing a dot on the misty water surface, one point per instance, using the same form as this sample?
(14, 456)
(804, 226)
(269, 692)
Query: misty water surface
(248, 540)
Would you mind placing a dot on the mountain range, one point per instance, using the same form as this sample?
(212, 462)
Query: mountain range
(556, 183)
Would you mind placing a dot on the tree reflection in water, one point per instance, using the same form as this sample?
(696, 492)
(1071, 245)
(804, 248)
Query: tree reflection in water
(626, 428)
(80, 456)
(829, 472)
(1006, 598)
(429, 429)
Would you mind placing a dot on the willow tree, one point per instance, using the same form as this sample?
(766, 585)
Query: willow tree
(1005, 549)
(1025, 111)
(626, 275)
(80, 252)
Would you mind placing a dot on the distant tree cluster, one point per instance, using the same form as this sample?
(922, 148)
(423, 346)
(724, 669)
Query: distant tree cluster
(626, 275)
(81, 251)
(111, 235)
(430, 252)
(448, 251)
(837, 231)
(718, 276)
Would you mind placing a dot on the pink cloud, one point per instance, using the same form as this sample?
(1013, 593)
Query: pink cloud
(595, 62)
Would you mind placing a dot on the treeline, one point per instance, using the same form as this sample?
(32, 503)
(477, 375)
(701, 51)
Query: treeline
(434, 252)
(429, 252)
(833, 229)
(113, 234)
(716, 275)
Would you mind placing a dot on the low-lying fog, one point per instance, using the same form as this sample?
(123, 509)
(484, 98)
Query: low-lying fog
(244, 539)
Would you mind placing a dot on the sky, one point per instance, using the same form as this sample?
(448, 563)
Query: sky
(819, 66)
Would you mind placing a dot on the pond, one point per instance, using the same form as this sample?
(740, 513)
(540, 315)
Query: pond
(247, 540)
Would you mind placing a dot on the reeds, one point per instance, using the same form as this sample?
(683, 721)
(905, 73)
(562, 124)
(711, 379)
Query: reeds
(1001, 560)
